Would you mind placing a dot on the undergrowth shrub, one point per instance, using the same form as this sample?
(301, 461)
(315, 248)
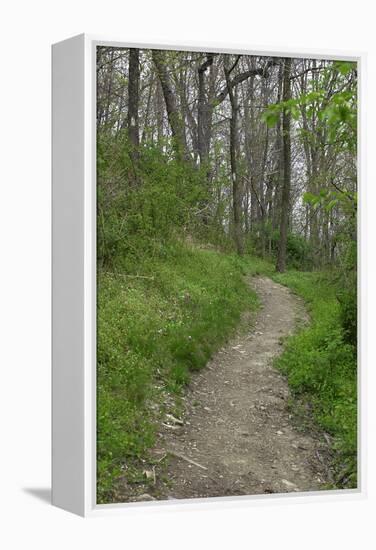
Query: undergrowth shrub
(142, 207)
(321, 366)
(347, 292)
(264, 240)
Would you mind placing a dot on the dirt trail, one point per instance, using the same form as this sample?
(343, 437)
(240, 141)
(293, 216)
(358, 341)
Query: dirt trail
(237, 437)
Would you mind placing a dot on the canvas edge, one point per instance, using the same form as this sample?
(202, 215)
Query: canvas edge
(90, 508)
(68, 320)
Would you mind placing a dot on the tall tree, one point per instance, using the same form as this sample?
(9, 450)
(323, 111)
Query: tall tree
(234, 151)
(174, 118)
(286, 151)
(133, 101)
(204, 110)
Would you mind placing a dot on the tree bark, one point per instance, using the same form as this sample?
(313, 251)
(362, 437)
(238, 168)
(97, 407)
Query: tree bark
(159, 108)
(249, 116)
(175, 121)
(286, 147)
(133, 98)
(204, 112)
(132, 117)
(234, 149)
(279, 157)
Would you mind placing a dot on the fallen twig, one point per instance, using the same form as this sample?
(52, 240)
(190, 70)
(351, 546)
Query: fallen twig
(183, 457)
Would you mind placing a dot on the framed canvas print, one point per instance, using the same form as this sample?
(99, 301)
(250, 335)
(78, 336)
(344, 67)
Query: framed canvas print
(205, 273)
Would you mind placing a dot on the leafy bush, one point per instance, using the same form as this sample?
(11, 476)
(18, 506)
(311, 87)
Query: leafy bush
(347, 293)
(298, 250)
(321, 366)
(348, 312)
(141, 206)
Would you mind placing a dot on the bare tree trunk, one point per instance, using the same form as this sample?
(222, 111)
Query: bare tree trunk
(234, 149)
(133, 101)
(251, 155)
(279, 156)
(204, 113)
(314, 230)
(186, 114)
(159, 110)
(133, 98)
(145, 135)
(262, 187)
(109, 90)
(286, 139)
(176, 124)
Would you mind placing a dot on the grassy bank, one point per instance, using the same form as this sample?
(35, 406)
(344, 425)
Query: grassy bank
(156, 324)
(321, 369)
(162, 317)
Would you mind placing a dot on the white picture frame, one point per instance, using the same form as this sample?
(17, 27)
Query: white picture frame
(74, 280)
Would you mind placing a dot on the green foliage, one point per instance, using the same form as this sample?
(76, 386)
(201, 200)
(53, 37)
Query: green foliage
(341, 116)
(348, 301)
(346, 279)
(154, 327)
(328, 199)
(298, 250)
(141, 206)
(272, 114)
(321, 367)
(344, 67)
(336, 110)
(345, 275)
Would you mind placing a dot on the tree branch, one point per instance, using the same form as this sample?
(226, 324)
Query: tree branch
(311, 69)
(239, 78)
(207, 63)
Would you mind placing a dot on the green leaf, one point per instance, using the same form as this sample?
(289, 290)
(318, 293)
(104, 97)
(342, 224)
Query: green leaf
(295, 112)
(310, 198)
(331, 205)
(344, 67)
(270, 118)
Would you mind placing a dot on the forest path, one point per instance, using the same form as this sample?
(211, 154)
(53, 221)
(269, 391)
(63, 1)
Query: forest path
(237, 437)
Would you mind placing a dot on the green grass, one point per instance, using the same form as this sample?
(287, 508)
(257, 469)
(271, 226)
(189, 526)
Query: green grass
(161, 317)
(157, 324)
(321, 369)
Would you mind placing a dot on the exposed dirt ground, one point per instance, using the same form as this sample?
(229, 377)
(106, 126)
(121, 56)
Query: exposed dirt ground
(237, 435)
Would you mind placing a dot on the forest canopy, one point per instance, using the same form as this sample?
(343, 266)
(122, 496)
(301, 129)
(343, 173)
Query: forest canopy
(244, 151)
